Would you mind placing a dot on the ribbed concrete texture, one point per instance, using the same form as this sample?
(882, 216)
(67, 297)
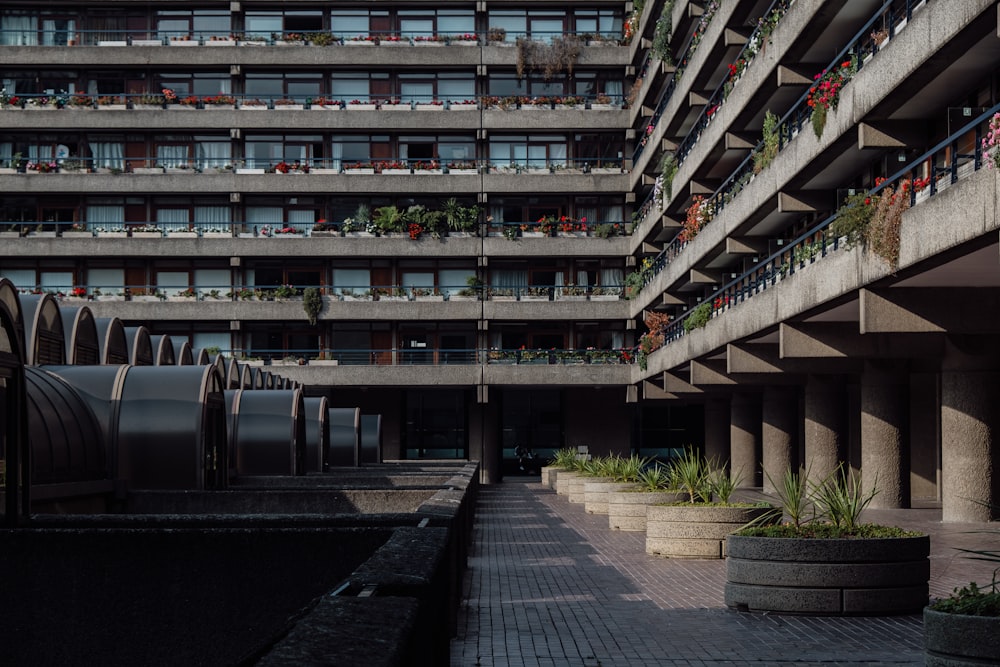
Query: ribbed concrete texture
(968, 434)
(717, 428)
(884, 429)
(825, 424)
(744, 439)
(779, 413)
(549, 585)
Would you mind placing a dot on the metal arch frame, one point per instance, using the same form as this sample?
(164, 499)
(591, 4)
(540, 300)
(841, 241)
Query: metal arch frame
(112, 340)
(9, 298)
(317, 413)
(183, 353)
(163, 350)
(345, 426)
(136, 337)
(78, 322)
(14, 425)
(39, 306)
(270, 433)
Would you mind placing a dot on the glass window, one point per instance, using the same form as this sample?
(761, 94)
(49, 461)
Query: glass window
(349, 22)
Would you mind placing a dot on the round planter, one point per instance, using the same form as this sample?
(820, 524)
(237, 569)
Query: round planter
(595, 494)
(958, 640)
(548, 478)
(695, 531)
(563, 478)
(627, 509)
(830, 577)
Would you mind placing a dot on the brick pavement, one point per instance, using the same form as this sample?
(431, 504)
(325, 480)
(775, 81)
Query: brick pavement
(549, 585)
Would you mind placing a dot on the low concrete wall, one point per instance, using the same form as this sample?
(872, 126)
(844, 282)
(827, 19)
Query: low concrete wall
(695, 531)
(280, 501)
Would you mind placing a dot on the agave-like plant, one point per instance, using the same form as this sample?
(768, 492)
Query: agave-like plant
(691, 472)
(655, 478)
(564, 458)
(629, 469)
(841, 498)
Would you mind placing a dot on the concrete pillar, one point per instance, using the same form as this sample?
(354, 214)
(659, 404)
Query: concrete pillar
(970, 389)
(884, 420)
(484, 443)
(779, 427)
(717, 428)
(825, 425)
(925, 430)
(744, 440)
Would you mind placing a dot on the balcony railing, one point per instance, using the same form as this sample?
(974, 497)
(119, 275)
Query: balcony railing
(432, 357)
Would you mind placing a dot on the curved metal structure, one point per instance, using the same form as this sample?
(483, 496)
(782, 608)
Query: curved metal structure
(163, 350)
(317, 414)
(44, 342)
(246, 377)
(113, 342)
(258, 378)
(83, 348)
(183, 355)
(101, 388)
(12, 302)
(269, 380)
(200, 357)
(233, 369)
(345, 437)
(371, 438)
(67, 443)
(140, 346)
(270, 433)
(13, 413)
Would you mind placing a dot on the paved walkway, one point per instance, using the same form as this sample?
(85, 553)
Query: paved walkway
(549, 585)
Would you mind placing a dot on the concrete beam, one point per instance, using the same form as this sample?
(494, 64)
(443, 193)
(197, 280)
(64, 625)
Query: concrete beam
(653, 391)
(668, 299)
(799, 76)
(704, 187)
(675, 384)
(651, 248)
(953, 310)
(739, 141)
(671, 222)
(890, 134)
(746, 245)
(698, 99)
(713, 373)
(840, 340)
(733, 37)
(668, 144)
(764, 358)
(667, 68)
(704, 277)
(803, 201)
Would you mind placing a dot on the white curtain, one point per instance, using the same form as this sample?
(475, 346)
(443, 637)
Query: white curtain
(172, 218)
(218, 218)
(613, 89)
(171, 156)
(611, 214)
(107, 155)
(588, 212)
(206, 280)
(211, 154)
(56, 33)
(612, 278)
(109, 281)
(581, 279)
(513, 280)
(19, 30)
(265, 216)
(557, 154)
(6, 152)
(105, 215)
(454, 280)
(337, 156)
(302, 220)
(44, 152)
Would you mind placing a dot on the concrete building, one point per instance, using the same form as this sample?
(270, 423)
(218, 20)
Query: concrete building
(689, 155)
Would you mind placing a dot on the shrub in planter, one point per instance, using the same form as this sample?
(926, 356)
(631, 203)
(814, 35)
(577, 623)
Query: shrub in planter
(617, 473)
(828, 563)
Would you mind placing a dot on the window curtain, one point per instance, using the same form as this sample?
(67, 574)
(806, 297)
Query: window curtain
(612, 278)
(107, 155)
(557, 154)
(301, 220)
(265, 216)
(611, 214)
(105, 215)
(613, 89)
(19, 30)
(212, 154)
(171, 156)
(337, 156)
(58, 32)
(43, 153)
(172, 218)
(508, 281)
(588, 212)
(6, 153)
(352, 281)
(217, 218)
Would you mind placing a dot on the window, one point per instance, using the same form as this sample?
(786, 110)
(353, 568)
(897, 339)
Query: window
(278, 24)
(198, 83)
(534, 152)
(197, 23)
(265, 151)
(34, 28)
(299, 86)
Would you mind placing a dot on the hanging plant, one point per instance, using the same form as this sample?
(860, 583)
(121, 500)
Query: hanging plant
(312, 303)
(554, 58)
(769, 147)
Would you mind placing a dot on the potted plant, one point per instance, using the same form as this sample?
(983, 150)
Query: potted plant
(617, 473)
(829, 562)
(627, 508)
(964, 628)
(312, 303)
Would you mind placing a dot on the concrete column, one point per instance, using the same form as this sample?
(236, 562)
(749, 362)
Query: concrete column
(779, 419)
(884, 420)
(970, 389)
(744, 440)
(717, 428)
(825, 425)
(484, 445)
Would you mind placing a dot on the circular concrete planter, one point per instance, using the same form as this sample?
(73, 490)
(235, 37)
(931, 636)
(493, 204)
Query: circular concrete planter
(548, 479)
(830, 577)
(957, 640)
(627, 509)
(595, 494)
(563, 478)
(695, 531)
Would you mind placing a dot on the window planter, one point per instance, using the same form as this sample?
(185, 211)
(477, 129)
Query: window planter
(463, 107)
(78, 235)
(146, 107)
(8, 170)
(217, 235)
(219, 107)
(396, 172)
(147, 170)
(251, 170)
(419, 172)
(289, 107)
(42, 235)
(179, 170)
(109, 297)
(361, 107)
(220, 42)
(112, 235)
(324, 171)
(603, 107)
(184, 42)
(252, 107)
(395, 107)
(182, 235)
(463, 42)
(366, 235)
(147, 42)
(368, 171)
(147, 235)
(466, 172)
(429, 107)
(112, 42)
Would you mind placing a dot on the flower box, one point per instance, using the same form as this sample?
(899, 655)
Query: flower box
(430, 297)
(78, 235)
(324, 107)
(147, 235)
(219, 107)
(184, 42)
(112, 107)
(8, 170)
(247, 235)
(147, 42)
(359, 42)
(395, 107)
(252, 42)
(109, 297)
(289, 107)
(149, 298)
(366, 235)
(10, 235)
(463, 171)
(463, 107)
(428, 42)
(244, 106)
(179, 170)
(464, 42)
(603, 107)
(112, 235)
(217, 235)
(250, 170)
(419, 172)
(396, 172)
(220, 42)
(429, 107)
(112, 42)
(361, 107)
(604, 297)
(370, 170)
(42, 235)
(182, 235)
(533, 235)
(324, 171)
(606, 170)
(146, 107)
(178, 298)
(181, 107)
(147, 170)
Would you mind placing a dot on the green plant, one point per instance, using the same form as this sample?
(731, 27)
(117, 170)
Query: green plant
(841, 498)
(853, 218)
(793, 496)
(212, 350)
(663, 32)
(723, 484)
(564, 458)
(510, 232)
(312, 303)
(668, 168)
(698, 317)
(285, 292)
(605, 230)
(362, 215)
(655, 478)
(825, 93)
(628, 469)
(560, 55)
(691, 473)
(388, 219)
(806, 252)
(971, 600)
(769, 147)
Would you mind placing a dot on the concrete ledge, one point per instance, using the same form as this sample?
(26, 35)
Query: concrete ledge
(695, 531)
(575, 489)
(627, 509)
(563, 480)
(847, 575)
(595, 494)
